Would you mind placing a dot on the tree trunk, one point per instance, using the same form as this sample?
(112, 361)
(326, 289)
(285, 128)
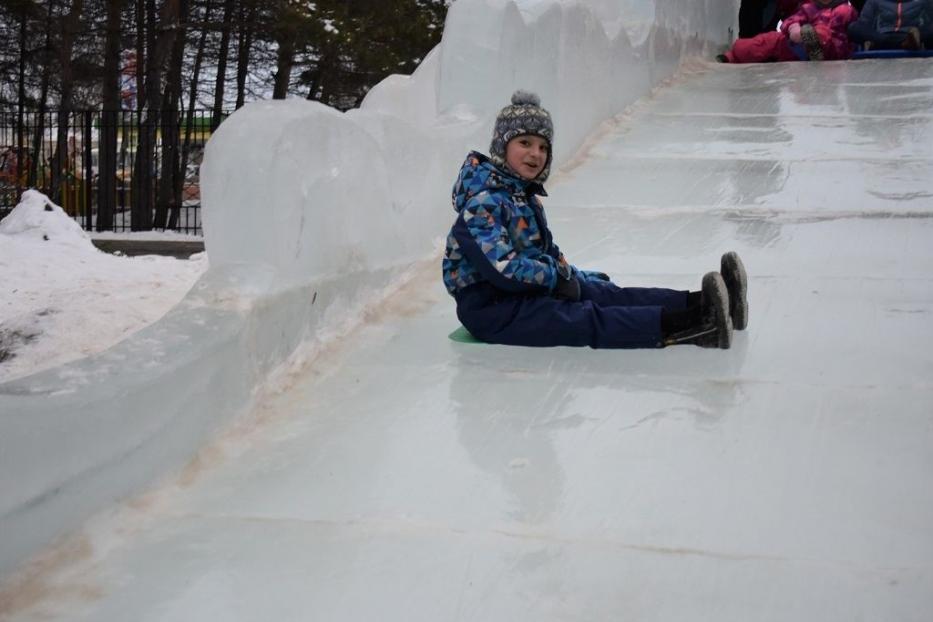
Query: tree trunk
(20, 113)
(192, 102)
(60, 161)
(169, 192)
(107, 150)
(222, 55)
(245, 43)
(322, 81)
(141, 212)
(285, 35)
(131, 144)
(143, 48)
(283, 74)
(160, 46)
(37, 152)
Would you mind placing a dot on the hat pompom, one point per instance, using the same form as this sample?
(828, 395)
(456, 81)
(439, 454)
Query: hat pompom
(523, 98)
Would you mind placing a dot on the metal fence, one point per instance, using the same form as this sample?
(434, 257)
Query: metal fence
(60, 155)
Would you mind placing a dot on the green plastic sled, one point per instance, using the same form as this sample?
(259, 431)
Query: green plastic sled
(463, 336)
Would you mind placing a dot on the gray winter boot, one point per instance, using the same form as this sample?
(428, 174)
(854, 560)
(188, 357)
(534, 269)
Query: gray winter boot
(733, 274)
(715, 329)
(811, 42)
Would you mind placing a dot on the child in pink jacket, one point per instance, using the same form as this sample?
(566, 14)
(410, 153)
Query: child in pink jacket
(817, 31)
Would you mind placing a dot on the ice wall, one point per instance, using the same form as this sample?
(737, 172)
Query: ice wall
(309, 190)
(309, 214)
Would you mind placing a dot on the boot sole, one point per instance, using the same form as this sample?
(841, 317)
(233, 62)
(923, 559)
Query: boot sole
(716, 294)
(736, 279)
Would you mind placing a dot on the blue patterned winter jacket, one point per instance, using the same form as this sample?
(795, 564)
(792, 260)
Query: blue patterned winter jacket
(500, 235)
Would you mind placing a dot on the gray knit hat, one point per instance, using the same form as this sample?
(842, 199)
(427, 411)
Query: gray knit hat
(524, 116)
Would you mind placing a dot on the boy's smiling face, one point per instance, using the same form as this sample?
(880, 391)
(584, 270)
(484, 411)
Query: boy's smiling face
(527, 155)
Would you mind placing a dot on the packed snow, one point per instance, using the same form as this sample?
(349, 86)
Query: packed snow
(63, 299)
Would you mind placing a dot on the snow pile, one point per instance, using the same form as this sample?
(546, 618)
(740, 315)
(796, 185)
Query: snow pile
(37, 218)
(63, 299)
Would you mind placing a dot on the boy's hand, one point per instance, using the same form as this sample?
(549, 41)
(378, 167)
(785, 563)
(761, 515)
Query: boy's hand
(793, 31)
(594, 275)
(567, 289)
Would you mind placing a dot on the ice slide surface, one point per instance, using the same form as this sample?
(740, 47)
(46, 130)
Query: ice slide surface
(404, 476)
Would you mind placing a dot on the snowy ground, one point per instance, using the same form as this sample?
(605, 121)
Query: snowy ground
(62, 299)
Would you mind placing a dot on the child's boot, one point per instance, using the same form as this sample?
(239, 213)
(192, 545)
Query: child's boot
(733, 274)
(912, 42)
(811, 42)
(715, 327)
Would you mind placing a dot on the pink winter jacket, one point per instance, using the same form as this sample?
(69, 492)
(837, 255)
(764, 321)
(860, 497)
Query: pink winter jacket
(830, 24)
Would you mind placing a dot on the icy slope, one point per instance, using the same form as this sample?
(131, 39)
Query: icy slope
(310, 216)
(408, 477)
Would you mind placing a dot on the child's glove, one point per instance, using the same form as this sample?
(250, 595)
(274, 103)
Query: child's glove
(589, 275)
(593, 275)
(567, 289)
(793, 31)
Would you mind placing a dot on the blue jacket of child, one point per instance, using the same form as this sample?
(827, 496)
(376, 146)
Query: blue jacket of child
(886, 16)
(500, 235)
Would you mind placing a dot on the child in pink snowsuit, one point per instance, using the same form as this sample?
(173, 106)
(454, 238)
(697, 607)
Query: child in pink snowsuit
(817, 31)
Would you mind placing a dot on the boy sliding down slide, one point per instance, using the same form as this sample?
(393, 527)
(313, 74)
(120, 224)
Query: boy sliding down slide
(817, 31)
(513, 285)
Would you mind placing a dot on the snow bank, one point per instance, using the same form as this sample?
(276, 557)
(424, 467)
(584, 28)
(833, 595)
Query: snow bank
(36, 218)
(309, 214)
(62, 299)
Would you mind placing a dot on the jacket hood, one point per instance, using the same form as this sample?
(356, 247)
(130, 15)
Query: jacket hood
(480, 173)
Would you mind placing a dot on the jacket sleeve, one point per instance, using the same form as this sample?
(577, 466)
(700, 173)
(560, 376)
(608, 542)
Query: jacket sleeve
(563, 266)
(866, 18)
(799, 17)
(843, 15)
(926, 16)
(565, 269)
(482, 232)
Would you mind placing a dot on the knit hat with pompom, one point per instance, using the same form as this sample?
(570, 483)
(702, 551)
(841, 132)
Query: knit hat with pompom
(524, 116)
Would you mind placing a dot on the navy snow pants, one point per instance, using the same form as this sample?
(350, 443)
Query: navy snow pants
(861, 33)
(607, 316)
